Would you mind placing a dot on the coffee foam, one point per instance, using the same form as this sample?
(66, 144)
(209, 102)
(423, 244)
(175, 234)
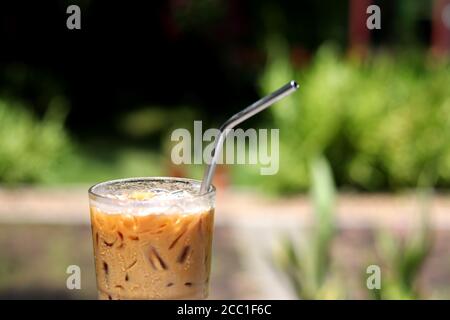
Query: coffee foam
(165, 197)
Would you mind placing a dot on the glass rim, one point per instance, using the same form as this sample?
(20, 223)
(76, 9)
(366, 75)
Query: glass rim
(136, 202)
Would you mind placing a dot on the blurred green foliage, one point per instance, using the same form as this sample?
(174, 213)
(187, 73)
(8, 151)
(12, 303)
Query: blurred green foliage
(30, 147)
(313, 274)
(404, 258)
(381, 122)
(308, 265)
(40, 150)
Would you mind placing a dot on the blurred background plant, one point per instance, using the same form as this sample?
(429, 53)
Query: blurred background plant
(313, 274)
(307, 264)
(403, 257)
(376, 117)
(378, 121)
(31, 148)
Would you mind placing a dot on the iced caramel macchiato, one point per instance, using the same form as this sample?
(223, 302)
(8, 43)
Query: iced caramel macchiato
(152, 238)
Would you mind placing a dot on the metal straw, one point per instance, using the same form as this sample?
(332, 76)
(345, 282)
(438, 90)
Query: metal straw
(238, 118)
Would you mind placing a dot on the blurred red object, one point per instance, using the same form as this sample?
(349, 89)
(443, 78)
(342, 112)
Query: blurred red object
(440, 36)
(359, 34)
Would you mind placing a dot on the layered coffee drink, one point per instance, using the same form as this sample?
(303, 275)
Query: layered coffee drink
(152, 238)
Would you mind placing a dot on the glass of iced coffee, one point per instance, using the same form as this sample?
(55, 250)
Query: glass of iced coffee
(152, 238)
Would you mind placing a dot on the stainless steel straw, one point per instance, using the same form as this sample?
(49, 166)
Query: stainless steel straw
(238, 118)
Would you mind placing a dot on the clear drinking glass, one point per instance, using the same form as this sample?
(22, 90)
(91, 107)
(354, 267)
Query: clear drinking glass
(152, 238)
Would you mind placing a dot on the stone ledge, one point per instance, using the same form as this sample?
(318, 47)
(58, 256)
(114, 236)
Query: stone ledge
(69, 205)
